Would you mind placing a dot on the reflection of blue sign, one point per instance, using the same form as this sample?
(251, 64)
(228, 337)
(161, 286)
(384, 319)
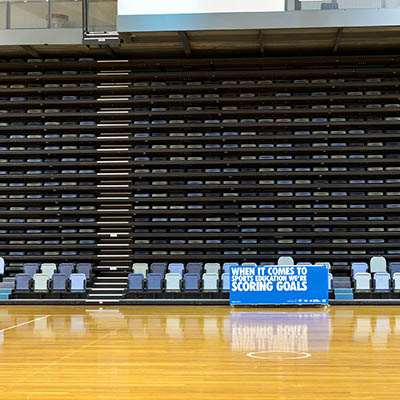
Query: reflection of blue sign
(280, 331)
(278, 284)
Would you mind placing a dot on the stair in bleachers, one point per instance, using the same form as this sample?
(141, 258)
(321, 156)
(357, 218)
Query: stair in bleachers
(344, 294)
(108, 287)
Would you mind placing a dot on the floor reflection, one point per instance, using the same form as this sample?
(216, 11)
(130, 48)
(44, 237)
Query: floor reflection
(280, 331)
(303, 330)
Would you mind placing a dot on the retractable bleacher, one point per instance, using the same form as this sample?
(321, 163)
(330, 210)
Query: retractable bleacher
(212, 161)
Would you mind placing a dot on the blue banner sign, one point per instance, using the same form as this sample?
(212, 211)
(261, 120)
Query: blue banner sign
(278, 284)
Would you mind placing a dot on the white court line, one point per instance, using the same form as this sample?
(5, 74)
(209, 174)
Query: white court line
(257, 354)
(23, 323)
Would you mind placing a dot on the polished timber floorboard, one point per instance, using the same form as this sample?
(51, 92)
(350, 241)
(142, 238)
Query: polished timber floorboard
(199, 352)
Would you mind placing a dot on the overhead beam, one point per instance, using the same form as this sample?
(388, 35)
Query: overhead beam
(337, 40)
(186, 43)
(260, 38)
(31, 51)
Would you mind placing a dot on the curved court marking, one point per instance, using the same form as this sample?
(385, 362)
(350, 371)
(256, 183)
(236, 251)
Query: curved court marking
(300, 355)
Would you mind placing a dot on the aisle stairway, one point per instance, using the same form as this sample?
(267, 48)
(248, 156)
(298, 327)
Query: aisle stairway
(108, 287)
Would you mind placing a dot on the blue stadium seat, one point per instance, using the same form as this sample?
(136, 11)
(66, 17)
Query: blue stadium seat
(394, 267)
(135, 282)
(31, 269)
(382, 282)
(155, 282)
(158, 268)
(23, 282)
(84, 268)
(59, 283)
(176, 268)
(66, 269)
(225, 278)
(191, 282)
(194, 268)
(78, 283)
(358, 267)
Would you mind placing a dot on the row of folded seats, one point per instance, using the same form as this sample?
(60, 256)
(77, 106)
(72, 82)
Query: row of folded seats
(377, 277)
(42, 279)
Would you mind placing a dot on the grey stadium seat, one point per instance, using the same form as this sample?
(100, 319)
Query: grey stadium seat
(210, 282)
(212, 268)
(173, 282)
(140, 268)
(378, 264)
(362, 282)
(41, 283)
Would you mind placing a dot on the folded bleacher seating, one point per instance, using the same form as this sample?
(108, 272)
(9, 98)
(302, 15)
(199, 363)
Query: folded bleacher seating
(59, 283)
(191, 282)
(78, 283)
(173, 282)
(136, 283)
(210, 282)
(155, 282)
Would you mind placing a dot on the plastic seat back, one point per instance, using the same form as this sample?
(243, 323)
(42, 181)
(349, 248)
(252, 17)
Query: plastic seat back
(322, 264)
(191, 282)
(66, 269)
(158, 268)
(226, 267)
(176, 268)
(225, 282)
(22, 282)
(154, 282)
(212, 268)
(194, 268)
(173, 282)
(59, 283)
(394, 267)
(31, 269)
(377, 264)
(285, 261)
(396, 282)
(140, 268)
(357, 268)
(210, 282)
(382, 282)
(78, 283)
(362, 281)
(41, 283)
(84, 268)
(48, 269)
(135, 282)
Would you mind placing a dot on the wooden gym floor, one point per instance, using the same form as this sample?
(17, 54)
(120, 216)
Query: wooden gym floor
(199, 352)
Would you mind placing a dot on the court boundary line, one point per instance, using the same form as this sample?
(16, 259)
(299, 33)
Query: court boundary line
(24, 323)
